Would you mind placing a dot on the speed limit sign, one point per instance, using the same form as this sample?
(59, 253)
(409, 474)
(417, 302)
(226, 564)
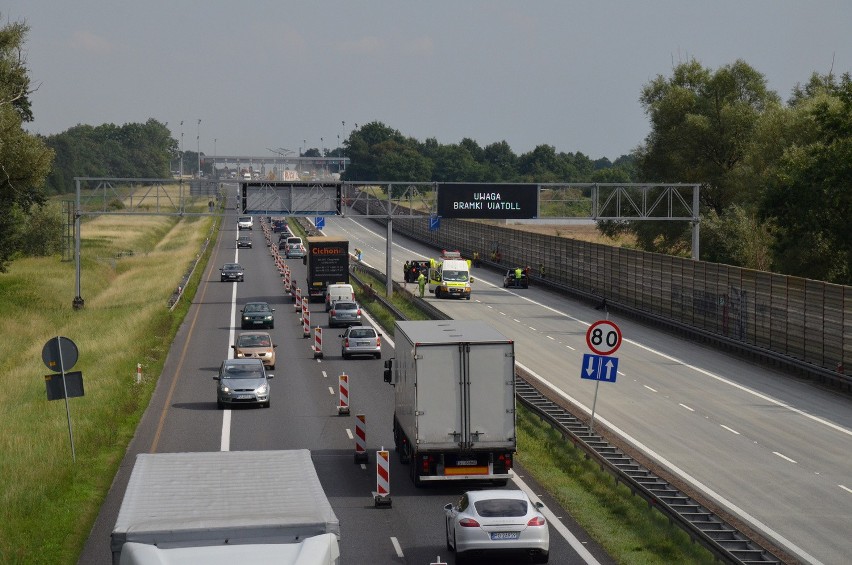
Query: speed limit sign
(603, 337)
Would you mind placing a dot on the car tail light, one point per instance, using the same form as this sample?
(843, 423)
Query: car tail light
(378, 341)
(346, 342)
(332, 313)
(468, 523)
(536, 521)
(358, 313)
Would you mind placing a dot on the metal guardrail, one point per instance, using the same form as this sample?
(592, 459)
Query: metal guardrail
(725, 541)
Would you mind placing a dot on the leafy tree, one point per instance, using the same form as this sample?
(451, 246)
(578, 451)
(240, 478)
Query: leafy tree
(738, 237)
(702, 124)
(454, 163)
(809, 195)
(501, 162)
(24, 159)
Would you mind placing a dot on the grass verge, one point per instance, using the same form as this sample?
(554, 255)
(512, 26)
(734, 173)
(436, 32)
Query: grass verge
(623, 524)
(130, 266)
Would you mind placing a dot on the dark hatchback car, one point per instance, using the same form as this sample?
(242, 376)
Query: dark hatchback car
(244, 241)
(242, 381)
(232, 272)
(257, 315)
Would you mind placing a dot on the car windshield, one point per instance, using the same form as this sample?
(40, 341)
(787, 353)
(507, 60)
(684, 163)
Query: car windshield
(460, 276)
(232, 267)
(292, 240)
(256, 308)
(362, 333)
(345, 306)
(244, 219)
(501, 507)
(254, 341)
(243, 372)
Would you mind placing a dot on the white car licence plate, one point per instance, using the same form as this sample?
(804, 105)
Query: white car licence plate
(504, 535)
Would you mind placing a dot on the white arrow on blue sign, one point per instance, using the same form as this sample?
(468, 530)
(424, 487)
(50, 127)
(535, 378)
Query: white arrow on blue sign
(319, 223)
(434, 223)
(599, 368)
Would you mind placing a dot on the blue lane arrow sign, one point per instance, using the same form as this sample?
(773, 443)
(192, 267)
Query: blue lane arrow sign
(319, 223)
(434, 223)
(599, 368)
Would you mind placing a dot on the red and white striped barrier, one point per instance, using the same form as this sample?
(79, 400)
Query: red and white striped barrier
(343, 403)
(382, 497)
(287, 282)
(306, 319)
(361, 438)
(317, 346)
(138, 373)
(298, 303)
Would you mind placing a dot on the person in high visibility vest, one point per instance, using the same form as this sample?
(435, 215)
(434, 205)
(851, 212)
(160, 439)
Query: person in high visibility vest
(518, 273)
(421, 283)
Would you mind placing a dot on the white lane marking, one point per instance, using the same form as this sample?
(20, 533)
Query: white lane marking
(801, 553)
(324, 375)
(516, 320)
(396, 547)
(225, 439)
(557, 525)
(532, 328)
(782, 456)
(330, 390)
(225, 444)
(363, 466)
(649, 388)
(349, 433)
(687, 407)
(733, 431)
(847, 489)
(551, 337)
(644, 347)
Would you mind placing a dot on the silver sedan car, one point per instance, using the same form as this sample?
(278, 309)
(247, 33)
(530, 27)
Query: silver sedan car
(498, 521)
(242, 381)
(361, 340)
(344, 313)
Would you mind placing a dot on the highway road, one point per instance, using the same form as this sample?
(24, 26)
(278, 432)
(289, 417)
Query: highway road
(183, 416)
(771, 449)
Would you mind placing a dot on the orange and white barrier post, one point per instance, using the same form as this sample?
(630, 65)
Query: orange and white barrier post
(298, 303)
(287, 282)
(361, 438)
(306, 319)
(382, 496)
(343, 403)
(317, 347)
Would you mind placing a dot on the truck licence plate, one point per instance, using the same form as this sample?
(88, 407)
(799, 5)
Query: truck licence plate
(504, 535)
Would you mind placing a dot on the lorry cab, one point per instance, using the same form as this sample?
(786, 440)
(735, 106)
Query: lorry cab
(450, 276)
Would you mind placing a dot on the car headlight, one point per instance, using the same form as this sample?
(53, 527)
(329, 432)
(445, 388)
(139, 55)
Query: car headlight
(246, 318)
(226, 389)
(262, 389)
(268, 318)
(240, 355)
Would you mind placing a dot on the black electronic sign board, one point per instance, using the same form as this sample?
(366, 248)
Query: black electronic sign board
(483, 200)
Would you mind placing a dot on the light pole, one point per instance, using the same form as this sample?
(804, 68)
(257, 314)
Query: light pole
(181, 149)
(198, 147)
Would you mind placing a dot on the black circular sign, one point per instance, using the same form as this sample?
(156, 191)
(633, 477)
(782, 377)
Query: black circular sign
(59, 354)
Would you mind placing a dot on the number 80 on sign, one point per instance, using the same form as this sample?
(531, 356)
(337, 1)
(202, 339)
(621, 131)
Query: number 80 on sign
(603, 337)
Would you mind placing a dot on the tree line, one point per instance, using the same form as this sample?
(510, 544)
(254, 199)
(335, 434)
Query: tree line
(775, 177)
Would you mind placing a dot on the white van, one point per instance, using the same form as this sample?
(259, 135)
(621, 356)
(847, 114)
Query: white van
(338, 292)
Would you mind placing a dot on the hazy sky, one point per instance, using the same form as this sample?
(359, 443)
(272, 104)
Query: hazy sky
(269, 74)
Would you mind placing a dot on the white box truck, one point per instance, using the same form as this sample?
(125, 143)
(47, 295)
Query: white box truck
(227, 507)
(454, 400)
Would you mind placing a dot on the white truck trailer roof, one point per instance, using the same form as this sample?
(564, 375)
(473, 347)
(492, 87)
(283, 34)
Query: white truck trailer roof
(444, 331)
(206, 498)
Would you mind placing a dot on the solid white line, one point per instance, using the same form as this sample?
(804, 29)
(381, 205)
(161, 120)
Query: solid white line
(801, 553)
(687, 407)
(733, 431)
(782, 456)
(847, 489)
(225, 444)
(396, 547)
(572, 540)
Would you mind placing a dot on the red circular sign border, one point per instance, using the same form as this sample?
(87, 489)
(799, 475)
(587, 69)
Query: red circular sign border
(599, 323)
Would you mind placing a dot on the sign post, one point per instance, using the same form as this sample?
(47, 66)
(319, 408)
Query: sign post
(603, 338)
(62, 353)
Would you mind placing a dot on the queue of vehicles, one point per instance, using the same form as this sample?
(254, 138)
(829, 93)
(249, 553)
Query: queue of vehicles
(446, 373)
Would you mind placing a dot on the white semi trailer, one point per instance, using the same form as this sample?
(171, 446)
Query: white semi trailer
(225, 507)
(454, 400)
